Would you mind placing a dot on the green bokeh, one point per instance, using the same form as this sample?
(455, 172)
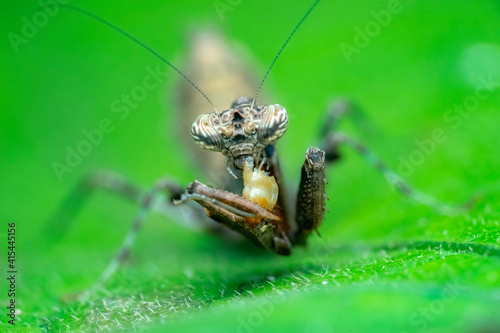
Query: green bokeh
(382, 260)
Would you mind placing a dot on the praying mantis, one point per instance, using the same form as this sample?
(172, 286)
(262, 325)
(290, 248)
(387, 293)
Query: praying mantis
(254, 201)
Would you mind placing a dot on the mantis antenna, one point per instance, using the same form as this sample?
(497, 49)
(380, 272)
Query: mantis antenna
(281, 50)
(126, 34)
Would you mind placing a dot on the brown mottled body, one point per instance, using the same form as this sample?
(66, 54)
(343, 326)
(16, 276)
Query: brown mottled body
(244, 131)
(223, 74)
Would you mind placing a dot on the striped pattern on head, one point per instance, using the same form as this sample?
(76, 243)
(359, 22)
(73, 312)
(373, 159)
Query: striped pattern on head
(205, 134)
(273, 125)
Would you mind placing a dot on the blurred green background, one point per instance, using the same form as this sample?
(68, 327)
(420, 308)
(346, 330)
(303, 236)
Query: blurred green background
(383, 263)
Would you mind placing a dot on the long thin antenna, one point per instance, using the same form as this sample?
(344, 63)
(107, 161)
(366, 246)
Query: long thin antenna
(124, 33)
(281, 50)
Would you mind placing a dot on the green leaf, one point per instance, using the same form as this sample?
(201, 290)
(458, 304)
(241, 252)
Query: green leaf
(382, 264)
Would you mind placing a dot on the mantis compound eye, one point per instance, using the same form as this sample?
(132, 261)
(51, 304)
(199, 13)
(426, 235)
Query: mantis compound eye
(204, 132)
(273, 125)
